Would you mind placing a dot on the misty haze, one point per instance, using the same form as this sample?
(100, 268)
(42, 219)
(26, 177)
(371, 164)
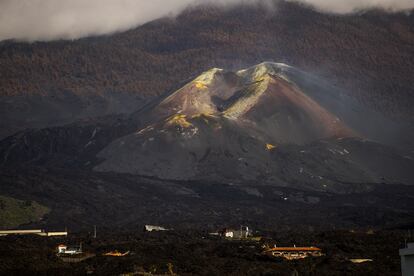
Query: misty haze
(206, 137)
(38, 20)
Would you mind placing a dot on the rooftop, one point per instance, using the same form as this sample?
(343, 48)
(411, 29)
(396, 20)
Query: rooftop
(409, 250)
(294, 249)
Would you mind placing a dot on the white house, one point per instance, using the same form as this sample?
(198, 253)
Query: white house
(57, 234)
(38, 232)
(229, 233)
(154, 228)
(407, 260)
(21, 232)
(64, 250)
(243, 233)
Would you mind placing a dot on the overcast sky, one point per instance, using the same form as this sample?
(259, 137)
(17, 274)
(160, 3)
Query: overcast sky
(70, 19)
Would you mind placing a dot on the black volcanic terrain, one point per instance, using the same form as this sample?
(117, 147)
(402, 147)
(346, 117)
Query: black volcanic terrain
(225, 147)
(195, 253)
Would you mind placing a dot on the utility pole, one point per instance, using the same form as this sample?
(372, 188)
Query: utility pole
(94, 231)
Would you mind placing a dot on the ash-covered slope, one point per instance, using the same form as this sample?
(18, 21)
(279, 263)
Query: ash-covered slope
(231, 126)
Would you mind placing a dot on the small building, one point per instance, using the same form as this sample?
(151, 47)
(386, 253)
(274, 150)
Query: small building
(407, 260)
(227, 233)
(38, 232)
(294, 253)
(57, 234)
(21, 232)
(65, 250)
(154, 228)
(62, 248)
(243, 233)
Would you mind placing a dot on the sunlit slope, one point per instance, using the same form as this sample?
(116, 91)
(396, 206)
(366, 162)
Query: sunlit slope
(261, 97)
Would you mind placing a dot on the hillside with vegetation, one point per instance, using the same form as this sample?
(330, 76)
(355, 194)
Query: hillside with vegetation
(14, 212)
(369, 55)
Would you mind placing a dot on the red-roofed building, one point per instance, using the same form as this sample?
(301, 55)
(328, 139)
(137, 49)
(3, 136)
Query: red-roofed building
(294, 253)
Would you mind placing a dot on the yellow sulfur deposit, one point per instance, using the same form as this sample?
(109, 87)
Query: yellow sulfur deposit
(201, 85)
(180, 120)
(270, 147)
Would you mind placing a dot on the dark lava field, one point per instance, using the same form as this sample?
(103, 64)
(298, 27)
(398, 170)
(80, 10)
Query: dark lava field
(195, 253)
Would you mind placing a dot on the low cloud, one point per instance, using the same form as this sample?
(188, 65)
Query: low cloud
(32, 20)
(349, 6)
(71, 19)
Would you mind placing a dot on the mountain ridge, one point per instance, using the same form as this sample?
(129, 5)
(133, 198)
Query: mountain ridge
(138, 65)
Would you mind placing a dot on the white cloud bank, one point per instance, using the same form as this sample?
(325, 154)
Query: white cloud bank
(348, 6)
(32, 20)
